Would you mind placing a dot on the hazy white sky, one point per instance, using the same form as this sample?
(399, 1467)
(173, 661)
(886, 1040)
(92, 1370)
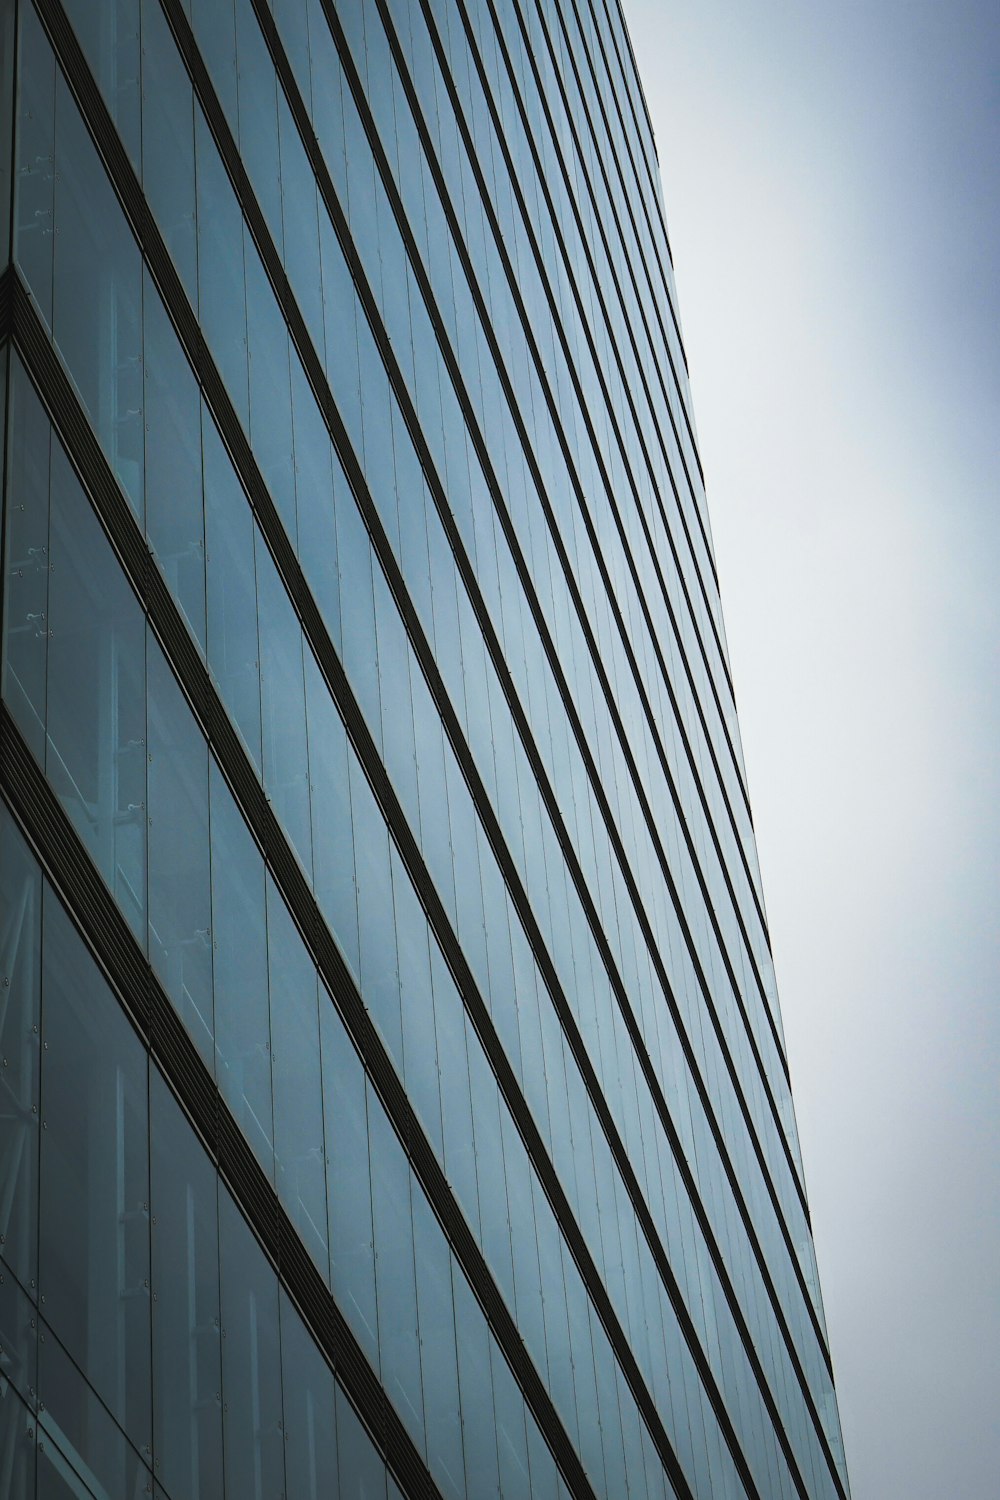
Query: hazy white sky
(833, 199)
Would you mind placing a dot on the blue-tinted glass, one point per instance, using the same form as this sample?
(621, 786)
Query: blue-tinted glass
(314, 492)
(362, 1472)
(168, 176)
(96, 705)
(479, 1426)
(299, 207)
(512, 1447)
(399, 1352)
(82, 1451)
(34, 209)
(357, 608)
(94, 1202)
(352, 1249)
(221, 288)
(180, 893)
(187, 1343)
(109, 35)
(299, 1160)
(283, 706)
(19, 1395)
(333, 836)
(214, 23)
(27, 562)
(239, 943)
(438, 1357)
(420, 1070)
(97, 298)
(258, 111)
(379, 975)
(251, 1364)
(175, 516)
(232, 590)
(20, 989)
(456, 1103)
(310, 1421)
(270, 392)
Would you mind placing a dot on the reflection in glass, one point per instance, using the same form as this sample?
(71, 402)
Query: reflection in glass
(20, 992)
(187, 1343)
(94, 1214)
(251, 1364)
(180, 896)
(300, 1162)
(239, 942)
(309, 1395)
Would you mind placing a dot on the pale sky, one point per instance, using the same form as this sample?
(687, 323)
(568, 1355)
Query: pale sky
(832, 183)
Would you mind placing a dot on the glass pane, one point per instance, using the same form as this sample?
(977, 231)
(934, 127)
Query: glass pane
(109, 36)
(379, 977)
(26, 597)
(394, 1272)
(283, 706)
(180, 893)
(242, 1024)
(270, 392)
(222, 294)
(309, 1396)
(18, 1393)
(34, 209)
(333, 835)
(175, 516)
(187, 1343)
(476, 1383)
(20, 992)
(168, 143)
(97, 298)
(258, 104)
(438, 1358)
(94, 1219)
(251, 1364)
(82, 1450)
(232, 590)
(300, 1164)
(96, 756)
(352, 1250)
(362, 1472)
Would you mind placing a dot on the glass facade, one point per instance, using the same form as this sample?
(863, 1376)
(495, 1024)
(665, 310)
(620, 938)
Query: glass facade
(395, 1097)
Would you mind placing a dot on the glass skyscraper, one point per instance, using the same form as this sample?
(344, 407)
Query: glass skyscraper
(393, 1094)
